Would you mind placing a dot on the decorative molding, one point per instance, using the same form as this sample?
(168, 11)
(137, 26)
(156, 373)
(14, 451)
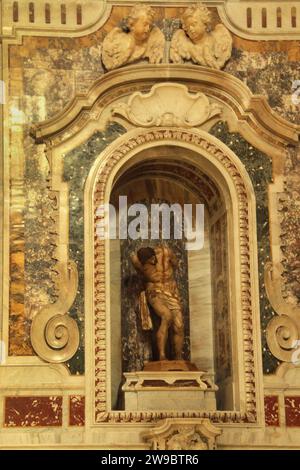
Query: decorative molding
(254, 114)
(55, 335)
(235, 18)
(112, 159)
(245, 19)
(158, 107)
(183, 434)
(138, 380)
(48, 18)
(283, 331)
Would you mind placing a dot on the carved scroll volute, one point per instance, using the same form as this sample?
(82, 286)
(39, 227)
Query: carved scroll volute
(283, 331)
(54, 334)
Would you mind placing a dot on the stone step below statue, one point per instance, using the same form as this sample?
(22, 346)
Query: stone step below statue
(176, 365)
(169, 389)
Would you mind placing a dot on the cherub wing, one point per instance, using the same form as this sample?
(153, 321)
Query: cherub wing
(116, 49)
(155, 46)
(180, 47)
(222, 45)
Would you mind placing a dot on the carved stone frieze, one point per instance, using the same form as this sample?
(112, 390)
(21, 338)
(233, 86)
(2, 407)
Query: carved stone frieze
(183, 434)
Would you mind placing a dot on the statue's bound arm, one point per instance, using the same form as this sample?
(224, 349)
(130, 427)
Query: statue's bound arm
(173, 259)
(136, 263)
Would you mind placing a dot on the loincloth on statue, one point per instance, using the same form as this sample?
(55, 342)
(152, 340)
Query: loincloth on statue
(171, 301)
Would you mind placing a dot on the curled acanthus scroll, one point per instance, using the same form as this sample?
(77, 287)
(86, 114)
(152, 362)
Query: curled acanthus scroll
(283, 331)
(54, 334)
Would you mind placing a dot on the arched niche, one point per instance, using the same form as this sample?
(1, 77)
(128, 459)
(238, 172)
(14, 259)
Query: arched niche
(168, 174)
(195, 148)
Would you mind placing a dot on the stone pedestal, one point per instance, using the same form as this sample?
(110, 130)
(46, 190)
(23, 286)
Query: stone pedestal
(167, 365)
(169, 390)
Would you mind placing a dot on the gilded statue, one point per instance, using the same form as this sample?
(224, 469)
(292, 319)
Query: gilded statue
(157, 266)
(194, 42)
(139, 39)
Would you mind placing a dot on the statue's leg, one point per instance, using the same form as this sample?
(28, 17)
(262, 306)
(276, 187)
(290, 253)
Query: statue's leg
(162, 337)
(178, 329)
(166, 318)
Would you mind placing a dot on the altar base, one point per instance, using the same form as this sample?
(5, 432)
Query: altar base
(169, 390)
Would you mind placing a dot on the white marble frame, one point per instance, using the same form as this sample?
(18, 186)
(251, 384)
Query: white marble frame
(247, 376)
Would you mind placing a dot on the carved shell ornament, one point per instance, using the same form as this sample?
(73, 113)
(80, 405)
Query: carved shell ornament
(167, 104)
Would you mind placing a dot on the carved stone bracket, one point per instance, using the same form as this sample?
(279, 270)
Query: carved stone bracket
(283, 331)
(159, 108)
(55, 335)
(183, 434)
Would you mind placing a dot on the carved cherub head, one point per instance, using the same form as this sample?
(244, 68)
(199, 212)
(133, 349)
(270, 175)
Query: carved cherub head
(140, 22)
(194, 21)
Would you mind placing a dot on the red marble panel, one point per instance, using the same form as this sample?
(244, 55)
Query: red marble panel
(271, 410)
(292, 411)
(77, 410)
(33, 411)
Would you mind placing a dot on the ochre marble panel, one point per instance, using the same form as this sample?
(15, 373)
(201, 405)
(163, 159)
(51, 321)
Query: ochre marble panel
(33, 411)
(77, 410)
(271, 410)
(292, 411)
